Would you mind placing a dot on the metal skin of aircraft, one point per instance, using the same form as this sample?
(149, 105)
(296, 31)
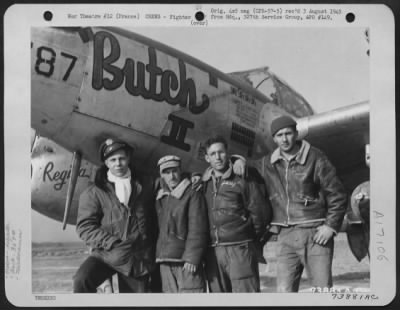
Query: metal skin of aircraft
(88, 84)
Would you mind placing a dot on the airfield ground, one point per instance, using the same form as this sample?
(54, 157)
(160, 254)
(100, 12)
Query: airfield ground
(54, 264)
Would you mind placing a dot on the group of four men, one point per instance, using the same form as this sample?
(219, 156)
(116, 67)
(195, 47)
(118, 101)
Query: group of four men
(174, 236)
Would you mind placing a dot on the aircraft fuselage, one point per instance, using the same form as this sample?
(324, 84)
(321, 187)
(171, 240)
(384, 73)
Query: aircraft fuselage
(91, 84)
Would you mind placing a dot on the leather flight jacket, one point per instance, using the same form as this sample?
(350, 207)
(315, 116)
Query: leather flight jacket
(119, 235)
(183, 224)
(305, 190)
(237, 210)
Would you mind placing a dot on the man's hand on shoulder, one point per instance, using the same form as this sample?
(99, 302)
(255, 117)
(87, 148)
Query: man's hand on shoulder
(239, 165)
(323, 235)
(190, 267)
(196, 182)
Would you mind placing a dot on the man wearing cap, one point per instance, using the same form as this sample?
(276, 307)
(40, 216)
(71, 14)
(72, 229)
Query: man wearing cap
(308, 202)
(183, 230)
(238, 216)
(114, 218)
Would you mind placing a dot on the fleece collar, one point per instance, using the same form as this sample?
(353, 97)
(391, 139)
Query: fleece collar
(177, 191)
(210, 172)
(300, 157)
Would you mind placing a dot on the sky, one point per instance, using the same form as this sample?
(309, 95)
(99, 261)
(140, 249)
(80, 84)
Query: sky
(329, 67)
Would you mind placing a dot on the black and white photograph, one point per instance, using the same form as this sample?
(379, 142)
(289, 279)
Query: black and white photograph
(203, 150)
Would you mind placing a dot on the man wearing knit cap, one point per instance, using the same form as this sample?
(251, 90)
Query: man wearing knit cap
(114, 220)
(183, 230)
(308, 202)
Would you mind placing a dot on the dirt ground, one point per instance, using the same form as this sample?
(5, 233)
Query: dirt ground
(54, 264)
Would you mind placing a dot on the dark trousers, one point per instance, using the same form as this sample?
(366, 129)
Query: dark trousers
(233, 268)
(155, 280)
(94, 272)
(176, 280)
(296, 250)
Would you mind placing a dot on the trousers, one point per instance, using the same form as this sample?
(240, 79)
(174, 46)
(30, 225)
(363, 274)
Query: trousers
(232, 268)
(297, 251)
(176, 280)
(93, 272)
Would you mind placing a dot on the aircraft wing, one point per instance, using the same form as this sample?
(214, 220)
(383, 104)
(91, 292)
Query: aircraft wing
(343, 135)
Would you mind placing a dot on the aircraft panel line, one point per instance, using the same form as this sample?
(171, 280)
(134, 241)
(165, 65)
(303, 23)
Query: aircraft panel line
(105, 120)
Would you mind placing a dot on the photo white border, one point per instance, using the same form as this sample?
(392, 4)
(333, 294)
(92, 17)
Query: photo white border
(18, 21)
